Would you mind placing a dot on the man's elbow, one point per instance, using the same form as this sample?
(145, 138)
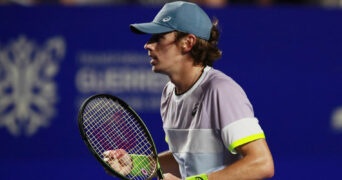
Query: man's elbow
(267, 168)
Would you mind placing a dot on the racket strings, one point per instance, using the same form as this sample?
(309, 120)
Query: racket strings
(110, 126)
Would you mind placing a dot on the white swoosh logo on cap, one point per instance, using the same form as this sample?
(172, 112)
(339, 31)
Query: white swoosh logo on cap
(166, 19)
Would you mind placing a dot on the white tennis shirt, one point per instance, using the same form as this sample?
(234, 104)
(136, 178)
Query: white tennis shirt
(204, 125)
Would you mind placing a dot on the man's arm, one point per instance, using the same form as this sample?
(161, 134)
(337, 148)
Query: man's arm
(256, 163)
(168, 163)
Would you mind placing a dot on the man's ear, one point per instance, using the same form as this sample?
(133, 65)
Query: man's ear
(188, 42)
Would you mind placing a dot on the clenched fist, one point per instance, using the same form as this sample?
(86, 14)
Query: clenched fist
(119, 160)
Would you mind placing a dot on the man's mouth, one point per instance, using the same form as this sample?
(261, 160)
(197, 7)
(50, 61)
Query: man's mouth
(153, 60)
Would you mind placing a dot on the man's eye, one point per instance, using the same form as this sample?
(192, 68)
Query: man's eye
(155, 38)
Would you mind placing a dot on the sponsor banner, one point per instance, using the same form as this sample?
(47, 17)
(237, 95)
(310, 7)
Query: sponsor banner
(288, 61)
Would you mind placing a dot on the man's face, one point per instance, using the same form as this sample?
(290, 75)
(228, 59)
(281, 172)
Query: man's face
(164, 52)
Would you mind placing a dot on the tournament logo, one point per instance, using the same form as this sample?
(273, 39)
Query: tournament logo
(27, 88)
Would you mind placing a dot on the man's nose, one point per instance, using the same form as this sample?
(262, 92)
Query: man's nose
(147, 46)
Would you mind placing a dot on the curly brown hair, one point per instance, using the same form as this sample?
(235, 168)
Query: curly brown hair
(205, 52)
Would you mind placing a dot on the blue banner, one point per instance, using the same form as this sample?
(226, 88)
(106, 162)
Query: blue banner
(287, 59)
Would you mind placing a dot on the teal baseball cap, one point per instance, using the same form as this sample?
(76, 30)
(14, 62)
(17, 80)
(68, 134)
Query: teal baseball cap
(181, 16)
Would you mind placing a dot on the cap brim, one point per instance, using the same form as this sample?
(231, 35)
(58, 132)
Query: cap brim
(149, 28)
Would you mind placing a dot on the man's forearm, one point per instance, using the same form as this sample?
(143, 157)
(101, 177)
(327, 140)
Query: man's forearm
(168, 163)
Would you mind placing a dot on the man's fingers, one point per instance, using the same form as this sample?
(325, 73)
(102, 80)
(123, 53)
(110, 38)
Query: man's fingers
(119, 160)
(106, 160)
(120, 167)
(126, 160)
(117, 153)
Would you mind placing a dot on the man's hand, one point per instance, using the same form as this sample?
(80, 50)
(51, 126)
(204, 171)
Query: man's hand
(119, 160)
(168, 176)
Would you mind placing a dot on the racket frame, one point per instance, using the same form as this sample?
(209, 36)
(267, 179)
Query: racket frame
(157, 170)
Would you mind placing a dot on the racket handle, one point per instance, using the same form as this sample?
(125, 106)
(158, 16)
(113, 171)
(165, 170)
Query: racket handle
(160, 172)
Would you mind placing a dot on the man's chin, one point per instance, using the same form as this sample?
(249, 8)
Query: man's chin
(156, 70)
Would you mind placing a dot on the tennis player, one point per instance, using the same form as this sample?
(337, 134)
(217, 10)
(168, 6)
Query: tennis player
(208, 120)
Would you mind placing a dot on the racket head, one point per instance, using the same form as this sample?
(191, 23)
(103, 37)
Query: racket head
(108, 123)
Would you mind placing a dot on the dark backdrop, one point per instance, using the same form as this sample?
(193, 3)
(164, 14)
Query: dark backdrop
(288, 60)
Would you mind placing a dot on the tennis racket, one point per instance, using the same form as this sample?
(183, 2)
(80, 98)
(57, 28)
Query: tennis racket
(118, 138)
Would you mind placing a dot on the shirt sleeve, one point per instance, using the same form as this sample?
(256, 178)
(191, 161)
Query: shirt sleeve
(241, 132)
(234, 114)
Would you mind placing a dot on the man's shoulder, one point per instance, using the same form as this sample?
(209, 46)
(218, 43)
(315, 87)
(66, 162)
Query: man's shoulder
(216, 78)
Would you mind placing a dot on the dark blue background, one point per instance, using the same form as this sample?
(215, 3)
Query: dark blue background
(288, 60)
